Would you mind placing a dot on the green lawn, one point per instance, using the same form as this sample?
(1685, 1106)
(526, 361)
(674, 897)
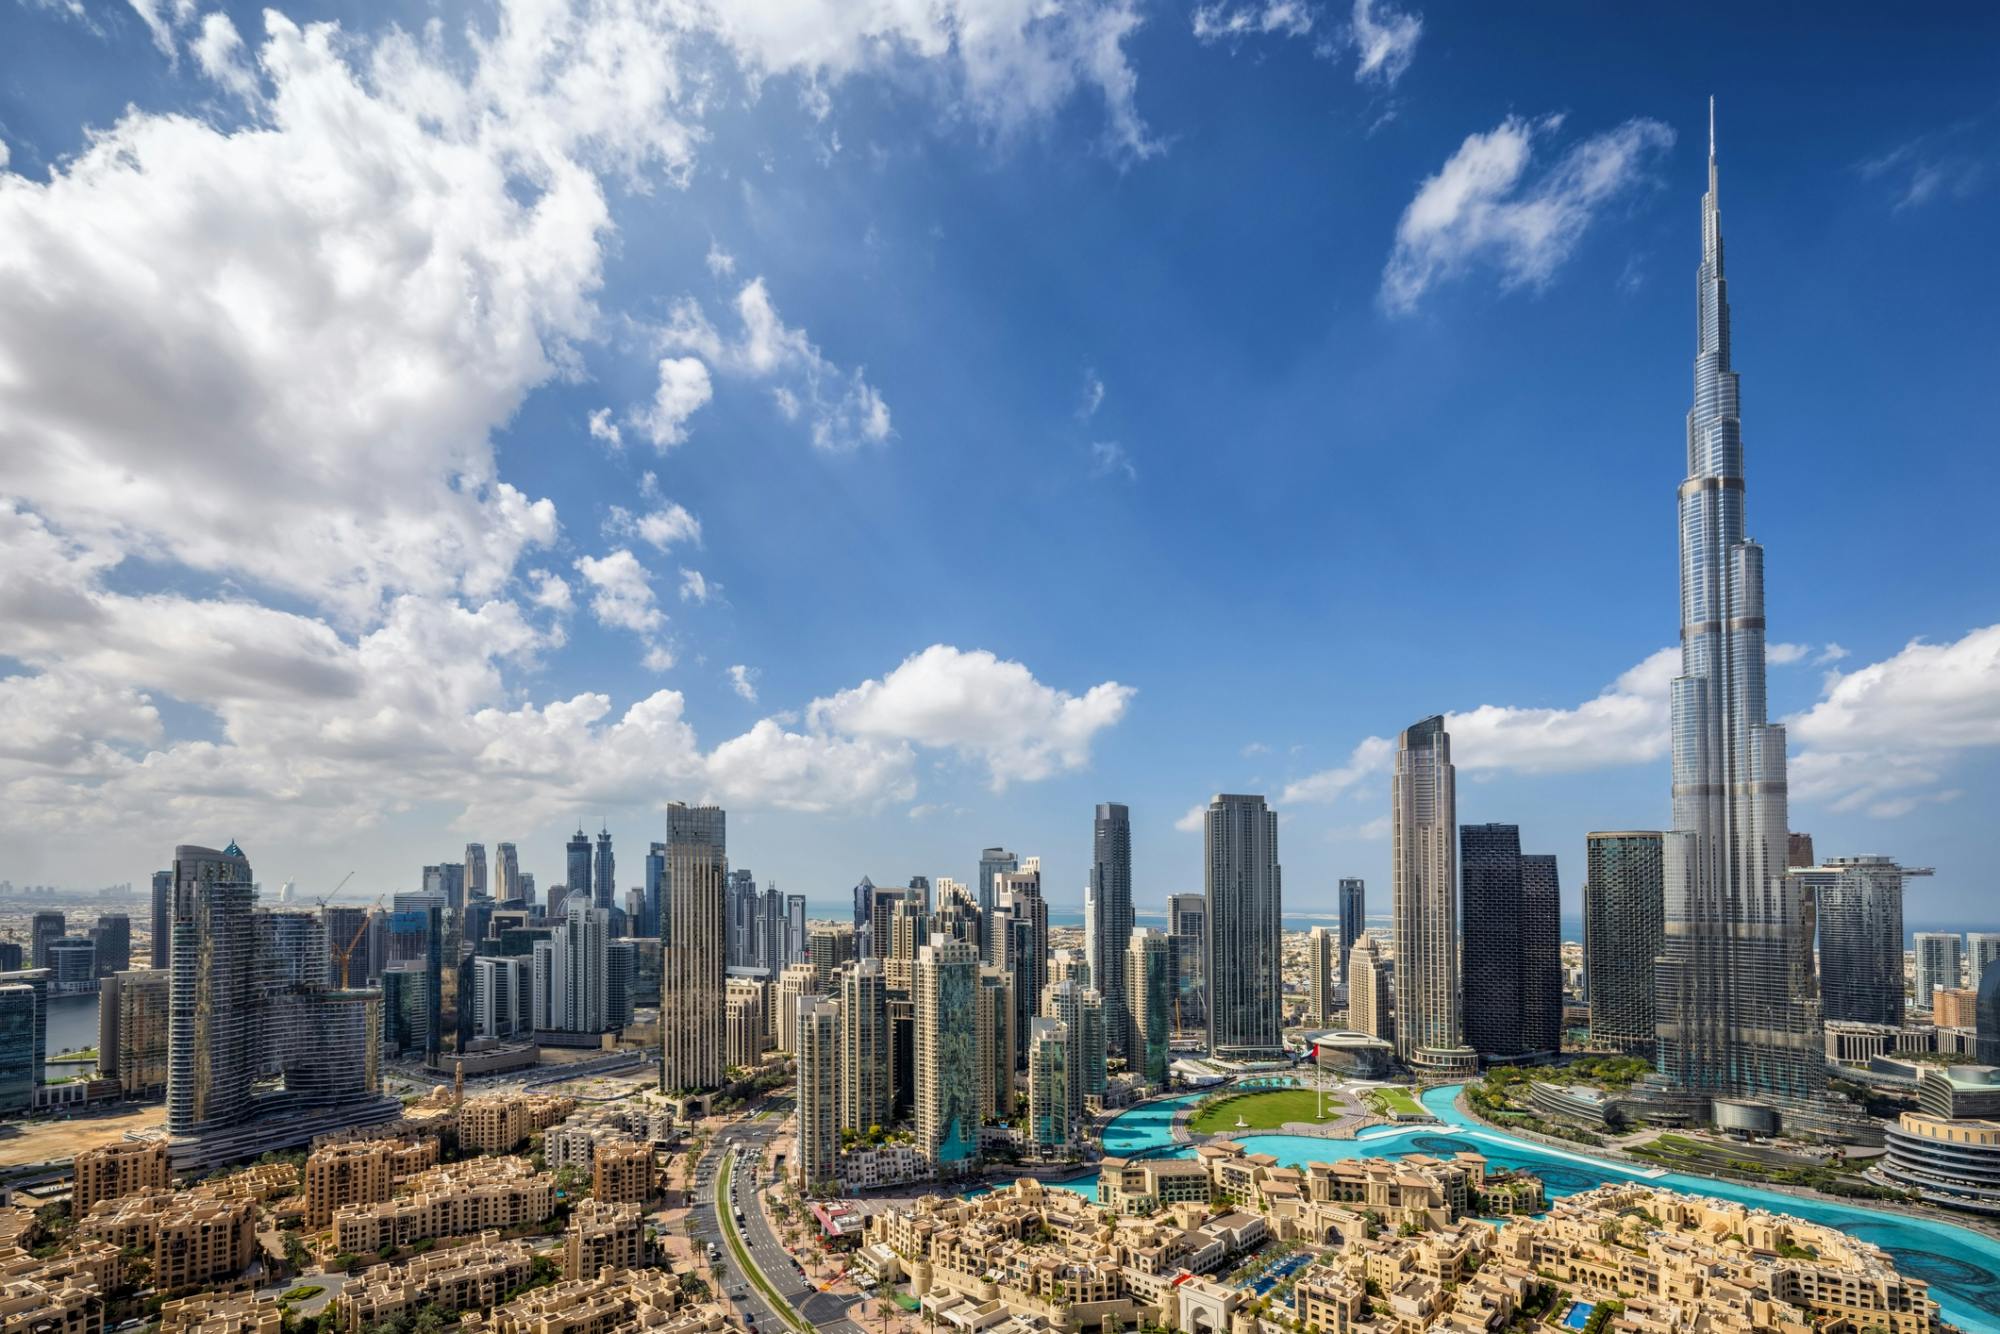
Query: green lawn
(1399, 1100)
(1263, 1111)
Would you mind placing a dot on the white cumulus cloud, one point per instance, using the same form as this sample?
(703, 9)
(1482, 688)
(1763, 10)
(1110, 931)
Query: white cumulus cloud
(684, 387)
(621, 592)
(981, 706)
(843, 409)
(1481, 208)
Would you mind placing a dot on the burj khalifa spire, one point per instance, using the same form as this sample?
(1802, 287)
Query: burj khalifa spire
(1738, 1000)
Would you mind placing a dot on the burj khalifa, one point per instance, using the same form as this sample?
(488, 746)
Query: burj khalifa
(1738, 1010)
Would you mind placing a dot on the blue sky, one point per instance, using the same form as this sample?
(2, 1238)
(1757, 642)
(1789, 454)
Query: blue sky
(457, 423)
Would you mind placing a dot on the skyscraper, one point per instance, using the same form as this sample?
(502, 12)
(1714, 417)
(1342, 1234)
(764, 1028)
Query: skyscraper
(1048, 1086)
(992, 861)
(113, 937)
(24, 1037)
(1245, 905)
(1738, 1005)
(1423, 812)
(260, 1053)
(45, 928)
(162, 926)
(817, 1121)
(1940, 960)
(506, 876)
(212, 1027)
(947, 1054)
(1111, 918)
(692, 965)
(1322, 970)
(1623, 930)
(1858, 903)
(865, 1093)
(1982, 950)
(1187, 927)
(475, 869)
(1541, 954)
(1149, 974)
(996, 1044)
(1080, 1007)
(656, 879)
(1799, 850)
(1353, 916)
(578, 865)
(1368, 990)
(1512, 946)
(604, 879)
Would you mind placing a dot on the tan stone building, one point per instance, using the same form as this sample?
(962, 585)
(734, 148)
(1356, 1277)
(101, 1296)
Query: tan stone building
(60, 1306)
(458, 1278)
(622, 1169)
(615, 1301)
(194, 1238)
(126, 1167)
(222, 1313)
(502, 1122)
(361, 1172)
(450, 1201)
(604, 1236)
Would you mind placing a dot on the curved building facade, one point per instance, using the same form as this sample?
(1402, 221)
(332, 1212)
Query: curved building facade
(1952, 1163)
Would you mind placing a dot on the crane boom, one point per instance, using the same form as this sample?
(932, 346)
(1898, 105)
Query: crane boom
(345, 952)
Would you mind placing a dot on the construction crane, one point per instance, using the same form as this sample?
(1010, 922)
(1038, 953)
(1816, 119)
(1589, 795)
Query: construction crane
(327, 897)
(345, 953)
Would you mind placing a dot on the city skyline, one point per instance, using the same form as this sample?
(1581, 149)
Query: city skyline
(1388, 328)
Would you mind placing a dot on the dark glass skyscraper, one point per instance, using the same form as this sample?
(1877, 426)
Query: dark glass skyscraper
(1110, 930)
(692, 950)
(162, 927)
(1858, 904)
(577, 880)
(1738, 1005)
(1353, 917)
(604, 881)
(1245, 907)
(1510, 916)
(1623, 899)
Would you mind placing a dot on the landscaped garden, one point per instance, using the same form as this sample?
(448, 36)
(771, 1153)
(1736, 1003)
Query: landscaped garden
(1392, 1101)
(1267, 1110)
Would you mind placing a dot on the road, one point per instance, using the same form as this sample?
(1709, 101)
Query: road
(749, 1141)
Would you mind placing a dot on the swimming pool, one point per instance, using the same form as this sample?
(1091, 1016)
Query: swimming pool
(1578, 1315)
(1962, 1266)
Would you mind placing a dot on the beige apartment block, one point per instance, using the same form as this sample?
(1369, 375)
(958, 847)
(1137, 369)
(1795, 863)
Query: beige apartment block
(126, 1167)
(604, 1236)
(222, 1313)
(615, 1301)
(194, 1238)
(502, 1122)
(361, 1172)
(623, 1170)
(450, 1201)
(458, 1278)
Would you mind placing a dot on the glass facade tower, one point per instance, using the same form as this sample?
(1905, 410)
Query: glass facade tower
(1738, 1011)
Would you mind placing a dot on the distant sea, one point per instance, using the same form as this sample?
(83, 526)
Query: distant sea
(1067, 914)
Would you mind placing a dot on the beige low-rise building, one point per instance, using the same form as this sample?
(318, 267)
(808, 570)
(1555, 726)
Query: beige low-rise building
(193, 1238)
(616, 1301)
(259, 1183)
(623, 1170)
(222, 1313)
(604, 1235)
(456, 1278)
(123, 1167)
(502, 1122)
(1718, 1262)
(361, 1172)
(56, 1306)
(458, 1199)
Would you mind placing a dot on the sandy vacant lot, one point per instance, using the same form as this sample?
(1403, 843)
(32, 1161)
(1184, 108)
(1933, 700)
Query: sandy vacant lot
(23, 1143)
